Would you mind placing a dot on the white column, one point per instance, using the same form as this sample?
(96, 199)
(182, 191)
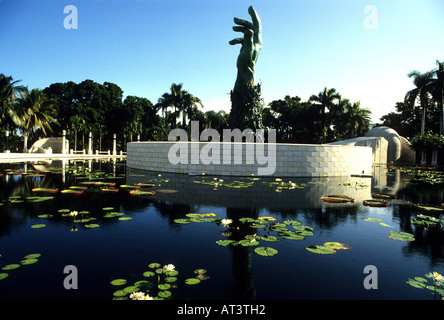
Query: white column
(90, 143)
(63, 141)
(114, 145)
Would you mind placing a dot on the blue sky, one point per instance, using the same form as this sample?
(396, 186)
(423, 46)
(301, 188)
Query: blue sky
(145, 46)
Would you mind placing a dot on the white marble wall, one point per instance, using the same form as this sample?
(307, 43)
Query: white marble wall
(289, 160)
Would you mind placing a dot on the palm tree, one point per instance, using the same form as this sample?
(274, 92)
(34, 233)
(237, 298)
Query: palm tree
(358, 118)
(422, 82)
(325, 99)
(181, 100)
(190, 103)
(8, 91)
(32, 112)
(76, 123)
(162, 104)
(438, 93)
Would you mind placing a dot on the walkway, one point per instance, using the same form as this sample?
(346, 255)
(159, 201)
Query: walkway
(20, 157)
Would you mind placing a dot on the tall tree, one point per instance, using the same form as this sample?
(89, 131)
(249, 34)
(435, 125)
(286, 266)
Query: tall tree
(189, 107)
(77, 123)
(8, 91)
(34, 111)
(438, 93)
(326, 100)
(422, 82)
(358, 119)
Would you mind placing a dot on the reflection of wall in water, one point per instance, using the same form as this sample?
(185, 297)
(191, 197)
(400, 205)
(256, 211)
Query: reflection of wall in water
(384, 181)
(259, 195)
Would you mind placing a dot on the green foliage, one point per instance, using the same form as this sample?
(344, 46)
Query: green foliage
(427, 141)
(437, 285)
(402, 236)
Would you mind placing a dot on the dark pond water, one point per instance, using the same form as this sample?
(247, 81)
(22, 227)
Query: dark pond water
(145, 230)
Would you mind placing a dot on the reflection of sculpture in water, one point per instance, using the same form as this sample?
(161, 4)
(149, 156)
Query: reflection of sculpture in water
(246, 102)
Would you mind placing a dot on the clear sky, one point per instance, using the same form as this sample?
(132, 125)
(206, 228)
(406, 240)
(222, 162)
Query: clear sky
(144, 46)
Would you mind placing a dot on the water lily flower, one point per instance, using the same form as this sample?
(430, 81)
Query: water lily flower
(169, 267)
(436, 276)
(137, 295)
(226, 222)
(73, 213)
(146, 297)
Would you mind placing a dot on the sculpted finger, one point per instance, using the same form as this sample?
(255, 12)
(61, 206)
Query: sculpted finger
(236, 41)
(255, 18)
(244, 23)
(247, 32)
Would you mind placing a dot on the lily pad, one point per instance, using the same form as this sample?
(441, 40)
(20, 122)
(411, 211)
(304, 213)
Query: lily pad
(28, 261)
(38, 226)
(337, 199)
(320, 249)
(45, 216)
(170, 279)
(375, 203)
(11, 266)
(225, 243)
(266, 251)
(3, 275)
(417, 284)
(164, 286)
(402, 236)
(154, 265)
(270, 238)
(45, 190)
(183, 221)
(92, 225)
(120, 293)
(130, 289)
(428, 208)
(71, 191)
(118, 282)
(33, 256)
(127, 186)
(149, 274)
(248, 243)
(142, 193)
(164, 294)
(337, 245)
(200, 271)
(192, 281)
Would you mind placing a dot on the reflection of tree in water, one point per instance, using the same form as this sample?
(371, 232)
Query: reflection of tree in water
(429, 242)
(244, 287)
(326, 217)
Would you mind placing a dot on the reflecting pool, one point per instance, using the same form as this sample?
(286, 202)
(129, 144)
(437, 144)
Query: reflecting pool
(241, 238)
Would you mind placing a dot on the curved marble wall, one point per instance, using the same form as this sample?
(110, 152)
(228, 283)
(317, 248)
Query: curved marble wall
(247, 159)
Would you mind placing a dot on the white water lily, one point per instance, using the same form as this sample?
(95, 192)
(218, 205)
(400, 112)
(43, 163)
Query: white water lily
(169, 267)
(146, 297)
(137, 295)
(226, 222)
(436, 276)
(73, 213)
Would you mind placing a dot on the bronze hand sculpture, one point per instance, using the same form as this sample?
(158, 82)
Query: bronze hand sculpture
(251, 46)
(246, 103)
